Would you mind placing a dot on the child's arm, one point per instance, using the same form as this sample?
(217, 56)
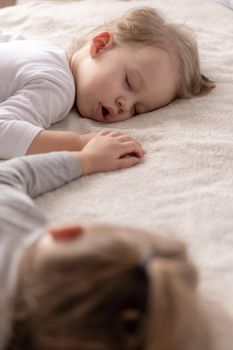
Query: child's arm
(38, 91)
(38, 174)
(49, 141)
(26, 116)
(19, 137)
(21, 221)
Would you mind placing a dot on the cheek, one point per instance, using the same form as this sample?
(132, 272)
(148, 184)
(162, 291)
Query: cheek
(104, 76)
(86, 77)
(100, 81)
(98, 84)
(91, 86)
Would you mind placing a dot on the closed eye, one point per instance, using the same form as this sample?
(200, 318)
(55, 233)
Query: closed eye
(127, 82)
(134, 112)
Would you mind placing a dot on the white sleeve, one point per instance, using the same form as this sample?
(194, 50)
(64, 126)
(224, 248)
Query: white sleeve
(33, 108)
(15, 137)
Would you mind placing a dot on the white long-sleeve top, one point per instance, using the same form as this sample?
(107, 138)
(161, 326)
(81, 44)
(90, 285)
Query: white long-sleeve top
(21, 221)
(37, 89)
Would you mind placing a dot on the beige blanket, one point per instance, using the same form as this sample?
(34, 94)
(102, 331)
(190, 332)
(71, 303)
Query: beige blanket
(184, 186)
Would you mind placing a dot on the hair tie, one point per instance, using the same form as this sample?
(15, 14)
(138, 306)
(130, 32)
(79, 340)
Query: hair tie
(146, 261)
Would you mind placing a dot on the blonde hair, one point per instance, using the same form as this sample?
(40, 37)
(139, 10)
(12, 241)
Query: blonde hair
(146, 26)
(122, 289)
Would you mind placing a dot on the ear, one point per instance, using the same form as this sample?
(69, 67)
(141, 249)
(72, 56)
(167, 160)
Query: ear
(65, 233)
(100, 42)
(130, 326)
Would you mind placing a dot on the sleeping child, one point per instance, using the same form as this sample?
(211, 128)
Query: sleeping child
(129, 66)
(89, 286)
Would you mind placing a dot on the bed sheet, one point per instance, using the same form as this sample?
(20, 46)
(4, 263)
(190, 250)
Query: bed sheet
(184, 186)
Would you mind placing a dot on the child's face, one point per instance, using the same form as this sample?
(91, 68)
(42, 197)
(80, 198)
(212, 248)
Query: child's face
(116, 82)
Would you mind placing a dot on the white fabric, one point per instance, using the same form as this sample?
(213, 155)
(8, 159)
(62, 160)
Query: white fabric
(36, 90)
(228, 3)
(185, 184)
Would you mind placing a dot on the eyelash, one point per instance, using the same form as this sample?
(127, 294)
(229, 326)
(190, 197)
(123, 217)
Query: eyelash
(127, 82)
(129, 86)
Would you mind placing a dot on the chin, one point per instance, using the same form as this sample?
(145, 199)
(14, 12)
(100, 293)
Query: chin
(81, 111)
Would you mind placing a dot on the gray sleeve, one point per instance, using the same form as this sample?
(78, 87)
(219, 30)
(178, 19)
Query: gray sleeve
(41, 173)
(21, 221)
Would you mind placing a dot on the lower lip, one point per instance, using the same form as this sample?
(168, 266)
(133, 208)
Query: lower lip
(98, 112)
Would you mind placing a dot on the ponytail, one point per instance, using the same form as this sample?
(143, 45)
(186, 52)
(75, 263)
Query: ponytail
(175, 319)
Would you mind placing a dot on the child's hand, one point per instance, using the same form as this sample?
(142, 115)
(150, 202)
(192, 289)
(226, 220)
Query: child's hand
(109, 150)
(85, 138)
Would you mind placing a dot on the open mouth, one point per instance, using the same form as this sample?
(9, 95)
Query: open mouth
(104, 113)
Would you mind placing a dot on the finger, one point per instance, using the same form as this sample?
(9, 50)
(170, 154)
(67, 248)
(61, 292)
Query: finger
(127, 162)
(131, 147)
(125, 138)
(117, 133)
(105, 132)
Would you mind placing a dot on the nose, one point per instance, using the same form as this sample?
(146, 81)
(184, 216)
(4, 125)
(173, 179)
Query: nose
(125, 105)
